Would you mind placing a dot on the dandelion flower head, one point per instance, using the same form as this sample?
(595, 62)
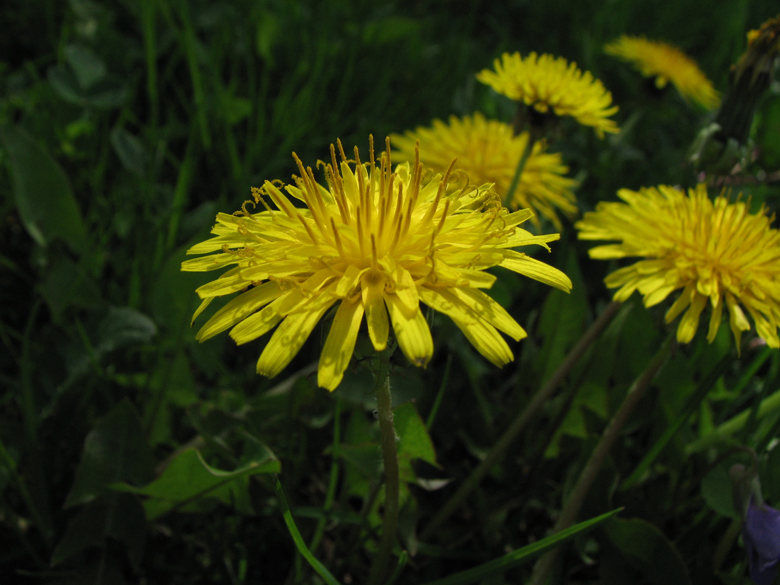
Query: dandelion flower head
(488, 151)
(372, 243)
(712, 250)
(666, 63)
(549, 83)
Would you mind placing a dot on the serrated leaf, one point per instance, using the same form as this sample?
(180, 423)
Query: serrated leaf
(42, 191)
(189, 479)
(115, 450)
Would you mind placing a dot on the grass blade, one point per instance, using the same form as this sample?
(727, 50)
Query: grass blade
(298, 539)
(522, 555)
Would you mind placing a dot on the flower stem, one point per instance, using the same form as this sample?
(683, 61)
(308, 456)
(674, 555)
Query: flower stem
(531, 409)
(593, 466)
(390, 457)
(529, 145)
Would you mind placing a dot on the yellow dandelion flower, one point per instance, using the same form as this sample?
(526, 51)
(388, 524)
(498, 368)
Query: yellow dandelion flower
(666, 63)
(546, 82)
(711, 250)
(488, 151)
(372, 242)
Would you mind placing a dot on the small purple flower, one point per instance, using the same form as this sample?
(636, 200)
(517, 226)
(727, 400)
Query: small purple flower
(761, 533)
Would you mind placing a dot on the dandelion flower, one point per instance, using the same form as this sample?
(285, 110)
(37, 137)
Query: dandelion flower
(371, 242)
(666, 63)
(546, 82)
(711, 250)
(488, 151)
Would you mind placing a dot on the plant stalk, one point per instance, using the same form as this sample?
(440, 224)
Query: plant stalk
(593, 466)
(390, 458)
(514, 429)
(529, 146)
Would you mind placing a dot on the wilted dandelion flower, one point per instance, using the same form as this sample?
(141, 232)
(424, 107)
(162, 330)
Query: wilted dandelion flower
(549, 83)
(372, 242)
(666, 63)
(714, 251)
(488, 151)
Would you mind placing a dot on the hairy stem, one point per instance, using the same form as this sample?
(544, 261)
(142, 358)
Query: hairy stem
(390, 458)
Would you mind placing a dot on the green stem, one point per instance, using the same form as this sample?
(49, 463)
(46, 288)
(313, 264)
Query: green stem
(528, 413)
(390, 457)
(593, 466)
(529, 146)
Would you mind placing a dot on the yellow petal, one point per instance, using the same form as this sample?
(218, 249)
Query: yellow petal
(717, 312)
(260, 323)
(212, 262)
(405, 291)
(340, 344)
(680, 304)
(489, 310)
(290, 336)
(537, 270)
(737, 320)
(228, 283)
(373, 289)
(238, 309)
(202, 307)
(412, 333)
(482, 335)
(690, 321)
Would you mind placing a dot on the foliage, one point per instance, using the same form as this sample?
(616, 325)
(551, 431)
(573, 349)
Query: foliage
(131, 453)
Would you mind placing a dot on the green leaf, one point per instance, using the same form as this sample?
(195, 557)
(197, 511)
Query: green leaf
(86, 65)
(131, 151)
(645, 548)
(592, 393)
(523, 555)
(322, 571)
(414, 442)
(115, 450)
(66, 285)
(563, 319)
(124, 326)
(682, 416)
(42, 191)
(118, 516)
(716, 488)
(189, 478)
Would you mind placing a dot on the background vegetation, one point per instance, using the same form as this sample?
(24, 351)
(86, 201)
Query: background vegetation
(126, 126)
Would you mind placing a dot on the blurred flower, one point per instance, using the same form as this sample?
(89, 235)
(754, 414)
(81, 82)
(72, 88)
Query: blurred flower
(488, 151)
(763, 47)
(712, 250)
(667, 63)
(374, 241)
(724, 146)
(546, 82)
(761, 533)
